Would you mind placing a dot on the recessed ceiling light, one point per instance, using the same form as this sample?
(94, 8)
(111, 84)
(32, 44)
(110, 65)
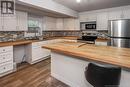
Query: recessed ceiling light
(78, 1)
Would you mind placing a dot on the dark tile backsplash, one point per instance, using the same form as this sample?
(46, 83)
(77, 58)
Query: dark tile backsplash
(18, 35)
(60, 33)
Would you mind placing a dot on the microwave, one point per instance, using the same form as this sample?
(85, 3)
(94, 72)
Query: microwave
(88, 25)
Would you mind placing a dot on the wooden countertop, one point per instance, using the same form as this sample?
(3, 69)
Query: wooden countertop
(23, 42)
(105, 54)
(15, 43)
(65, 37)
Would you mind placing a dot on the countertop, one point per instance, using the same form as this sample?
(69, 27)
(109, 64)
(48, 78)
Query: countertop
(104, 54)
(23, 42)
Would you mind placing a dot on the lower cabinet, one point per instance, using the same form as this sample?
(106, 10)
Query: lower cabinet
(35, 53)
(6, 60)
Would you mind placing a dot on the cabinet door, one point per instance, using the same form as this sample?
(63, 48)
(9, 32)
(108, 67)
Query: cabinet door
(115, 14)
(69, 24)
(59, 23)
(91, 17)
(102, 21)
(126, 13)
(77, 24)
(22, 21)
(1, 24)
(50, 23)
(9, 23)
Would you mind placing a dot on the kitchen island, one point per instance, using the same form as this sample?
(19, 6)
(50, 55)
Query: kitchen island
(69, 60)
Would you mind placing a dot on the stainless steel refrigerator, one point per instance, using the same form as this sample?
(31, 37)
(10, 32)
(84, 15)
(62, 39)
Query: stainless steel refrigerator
(119, 32)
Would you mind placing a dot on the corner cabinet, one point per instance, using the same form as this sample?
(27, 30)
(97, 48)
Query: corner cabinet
(102, 21)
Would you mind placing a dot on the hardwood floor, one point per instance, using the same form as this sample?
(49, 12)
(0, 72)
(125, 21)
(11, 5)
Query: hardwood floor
(37, 75)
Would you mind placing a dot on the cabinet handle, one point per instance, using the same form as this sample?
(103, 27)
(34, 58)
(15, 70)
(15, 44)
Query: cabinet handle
(3, 49)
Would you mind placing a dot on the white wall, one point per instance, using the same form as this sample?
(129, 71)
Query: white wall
(50, 6)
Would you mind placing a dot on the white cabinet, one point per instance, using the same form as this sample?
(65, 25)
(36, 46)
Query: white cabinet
(71, 24)
(22, 19)
(1, 28)
(126, 13)
(116, 14)
(59, 24)
(6, 60)
(88, 17)
(91, 17)
(16, 22)
(77, 24)
(9, 23)
(50, 23)
(36, 53)
(102, 21)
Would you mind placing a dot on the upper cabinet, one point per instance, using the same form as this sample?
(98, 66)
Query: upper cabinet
(16, 22)
(71, 24)
(102, 21)
(119, 14)
(87, 17)
(59, 23)
(9, 23)
(50, 23)
(22, 21)
(115, 14)
(1, 28)
(126, 13)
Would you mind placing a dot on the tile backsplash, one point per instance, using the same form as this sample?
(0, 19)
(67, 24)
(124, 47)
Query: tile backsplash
(11, 35)
(60, 33)
(20, 35)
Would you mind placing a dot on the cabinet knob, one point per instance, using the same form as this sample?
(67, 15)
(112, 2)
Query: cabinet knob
(4, 68)
(3, 49)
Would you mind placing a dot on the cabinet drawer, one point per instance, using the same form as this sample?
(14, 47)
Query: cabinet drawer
(5, 67)
(4, 57)
(6, 49)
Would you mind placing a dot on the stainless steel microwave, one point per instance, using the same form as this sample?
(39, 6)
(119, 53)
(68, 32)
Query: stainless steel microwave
(88, 25)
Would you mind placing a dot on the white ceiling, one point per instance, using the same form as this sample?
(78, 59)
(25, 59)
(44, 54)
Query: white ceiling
(88, 5)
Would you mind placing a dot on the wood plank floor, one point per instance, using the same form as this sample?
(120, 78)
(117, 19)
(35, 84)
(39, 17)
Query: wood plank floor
(37, 75)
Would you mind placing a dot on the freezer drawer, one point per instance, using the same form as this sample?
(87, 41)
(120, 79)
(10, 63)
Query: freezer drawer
(125, 43)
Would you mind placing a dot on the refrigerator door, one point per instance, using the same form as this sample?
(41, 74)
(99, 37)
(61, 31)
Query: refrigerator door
(125, 43)
(119, 28)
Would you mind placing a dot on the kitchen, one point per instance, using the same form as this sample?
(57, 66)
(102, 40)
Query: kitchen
(43, 42)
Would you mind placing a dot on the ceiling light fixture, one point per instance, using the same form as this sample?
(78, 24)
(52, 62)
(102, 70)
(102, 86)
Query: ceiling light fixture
(78, 1)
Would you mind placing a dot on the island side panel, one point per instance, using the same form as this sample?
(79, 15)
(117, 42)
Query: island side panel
(70, 70)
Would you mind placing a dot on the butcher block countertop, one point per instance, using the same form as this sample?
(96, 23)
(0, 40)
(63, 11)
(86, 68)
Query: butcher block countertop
(104, 54)
(15, 43)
